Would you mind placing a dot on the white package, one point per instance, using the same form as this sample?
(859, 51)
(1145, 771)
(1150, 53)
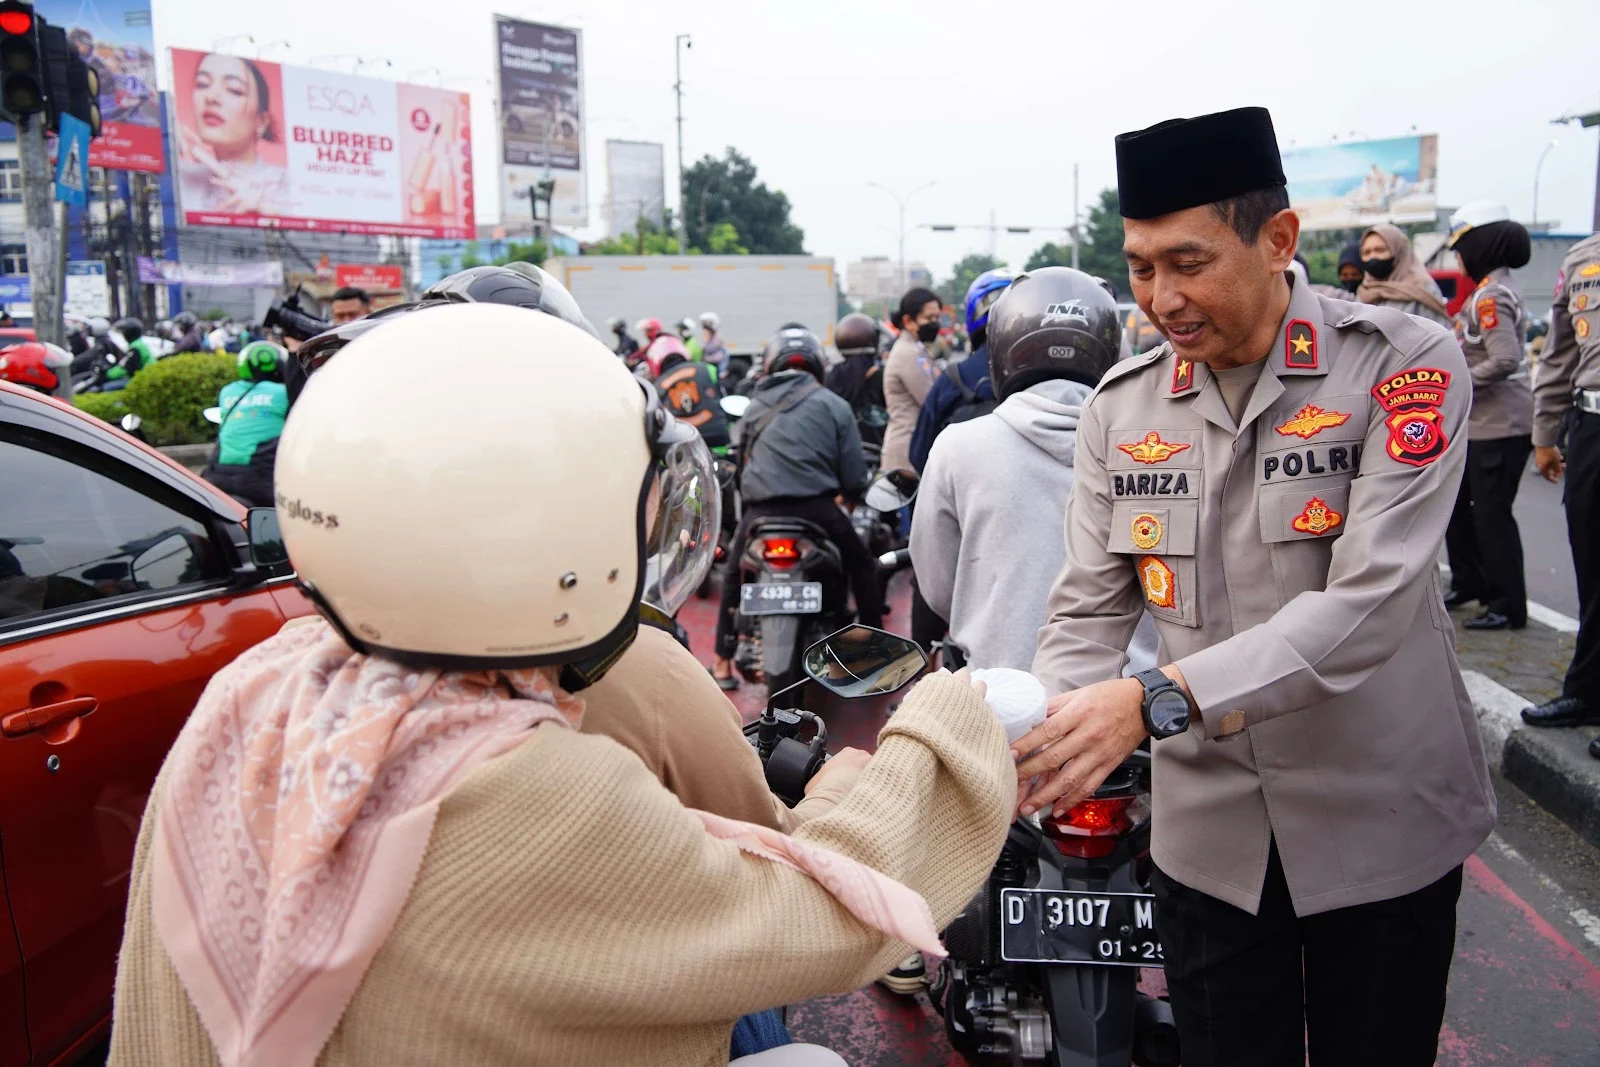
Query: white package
(1016, 698)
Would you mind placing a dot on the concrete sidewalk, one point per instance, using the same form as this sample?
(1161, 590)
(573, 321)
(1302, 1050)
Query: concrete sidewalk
(1505, 672)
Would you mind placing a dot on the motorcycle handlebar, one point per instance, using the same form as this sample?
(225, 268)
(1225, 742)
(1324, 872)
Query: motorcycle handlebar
(893, 561)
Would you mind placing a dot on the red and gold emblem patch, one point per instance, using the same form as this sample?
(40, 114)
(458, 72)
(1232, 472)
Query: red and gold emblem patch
(1312, 420)
(1146, 532)
(1581, 328)
(1413, 399)
(1488, 314)
(1153, 449)
(1160, 584)
(1300, 346)
(1317, 518)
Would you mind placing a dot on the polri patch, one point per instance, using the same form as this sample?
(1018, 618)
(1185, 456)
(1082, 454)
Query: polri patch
(1300, 346)
(1153, 449)
(1146, 532)
(1416, 428)
(1160, 584)
(1488, 314)
(1312, 420)
(1317, 518)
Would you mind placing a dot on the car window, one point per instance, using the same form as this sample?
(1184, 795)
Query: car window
(70, 533)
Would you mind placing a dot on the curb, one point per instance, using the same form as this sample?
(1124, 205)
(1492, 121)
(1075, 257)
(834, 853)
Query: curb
(1552, 766)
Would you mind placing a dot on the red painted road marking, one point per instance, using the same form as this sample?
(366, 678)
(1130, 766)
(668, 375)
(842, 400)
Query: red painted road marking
(1587, 974)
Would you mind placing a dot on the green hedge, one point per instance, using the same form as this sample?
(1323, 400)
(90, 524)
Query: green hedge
(170, 396)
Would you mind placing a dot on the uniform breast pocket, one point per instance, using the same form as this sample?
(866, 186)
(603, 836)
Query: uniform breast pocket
(1160, 540)
(1299, 523)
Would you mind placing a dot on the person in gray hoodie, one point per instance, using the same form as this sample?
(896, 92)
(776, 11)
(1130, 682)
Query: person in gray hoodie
(987, 540)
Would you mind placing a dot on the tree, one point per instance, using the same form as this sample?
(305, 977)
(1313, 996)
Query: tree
(1101, 251)
(1050, 254)
(656, 242)
(723, 240)
(963, 274)
(726, 191)
(520, 252)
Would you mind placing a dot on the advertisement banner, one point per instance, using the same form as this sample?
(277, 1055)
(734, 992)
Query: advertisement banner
(373, 277)
(266, 274)
(636, 184)
(541, 112)
(262, 144)
(87, 295)
(1353, 186)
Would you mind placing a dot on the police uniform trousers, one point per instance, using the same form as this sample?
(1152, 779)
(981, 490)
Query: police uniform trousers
(1362, 986)
(1482, 541)
(1582, 498)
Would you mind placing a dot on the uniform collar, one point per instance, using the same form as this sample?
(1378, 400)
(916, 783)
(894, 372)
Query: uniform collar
(1498, 275)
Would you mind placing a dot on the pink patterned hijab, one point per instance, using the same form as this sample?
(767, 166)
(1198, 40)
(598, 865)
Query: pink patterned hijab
(298, 804)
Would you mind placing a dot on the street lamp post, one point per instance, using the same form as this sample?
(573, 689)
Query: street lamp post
(1536, 169)
(901, 202)
(679, 43)
(1586, 120)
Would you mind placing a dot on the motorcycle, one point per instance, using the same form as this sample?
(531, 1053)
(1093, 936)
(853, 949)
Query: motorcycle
(1044, 962)
(727, 470)
(793, 590)
(876, 521)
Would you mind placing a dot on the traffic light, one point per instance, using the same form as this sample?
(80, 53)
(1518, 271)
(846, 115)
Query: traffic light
(71, 86)
(22, 78)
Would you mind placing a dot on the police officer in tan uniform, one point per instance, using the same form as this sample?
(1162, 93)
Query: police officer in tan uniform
(1566, 439)
(1483, 541)
(1273, 485)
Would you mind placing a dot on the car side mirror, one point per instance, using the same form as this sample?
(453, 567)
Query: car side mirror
(885, 494)
(735, 406)
(267, 550)
(860, 661)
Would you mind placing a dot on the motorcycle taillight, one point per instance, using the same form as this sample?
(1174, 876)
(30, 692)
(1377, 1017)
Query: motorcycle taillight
(1089, 830)
(781, 552)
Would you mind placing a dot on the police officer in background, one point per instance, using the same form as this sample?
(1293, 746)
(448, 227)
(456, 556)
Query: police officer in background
(1273, 485)
(1566, 439)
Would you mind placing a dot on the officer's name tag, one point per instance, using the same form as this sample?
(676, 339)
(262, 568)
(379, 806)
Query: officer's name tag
(1185, 484)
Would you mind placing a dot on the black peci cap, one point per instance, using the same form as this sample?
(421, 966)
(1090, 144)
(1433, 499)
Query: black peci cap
(1184, 163)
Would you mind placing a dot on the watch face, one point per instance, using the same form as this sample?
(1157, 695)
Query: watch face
(1169, 713)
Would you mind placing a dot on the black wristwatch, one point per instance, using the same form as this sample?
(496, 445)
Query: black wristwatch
(1166, 706)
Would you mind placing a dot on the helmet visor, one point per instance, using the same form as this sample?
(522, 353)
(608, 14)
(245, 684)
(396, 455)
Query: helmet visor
(683, 533)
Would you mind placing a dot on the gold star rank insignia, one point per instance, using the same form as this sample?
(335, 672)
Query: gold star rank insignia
(1182, 375)
(1312, 420)
(1300, 346)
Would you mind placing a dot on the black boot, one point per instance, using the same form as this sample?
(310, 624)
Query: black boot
(1457, 599)
(1563, 711)
(1492, 620)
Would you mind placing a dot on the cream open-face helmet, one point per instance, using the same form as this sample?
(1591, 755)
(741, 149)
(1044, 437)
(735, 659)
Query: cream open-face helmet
(468, 529)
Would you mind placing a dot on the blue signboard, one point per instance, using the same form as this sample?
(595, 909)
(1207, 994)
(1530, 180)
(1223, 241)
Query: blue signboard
(72, 161)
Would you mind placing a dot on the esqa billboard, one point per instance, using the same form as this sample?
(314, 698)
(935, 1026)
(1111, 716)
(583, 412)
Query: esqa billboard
(262, 144)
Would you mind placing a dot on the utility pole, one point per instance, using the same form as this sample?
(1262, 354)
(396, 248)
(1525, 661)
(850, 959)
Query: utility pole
(37, 185)
(1586, 120)
(901, 202)
(679, 43)
(1076, 229)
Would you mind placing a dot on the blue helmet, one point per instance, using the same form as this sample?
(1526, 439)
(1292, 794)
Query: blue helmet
(982, 294)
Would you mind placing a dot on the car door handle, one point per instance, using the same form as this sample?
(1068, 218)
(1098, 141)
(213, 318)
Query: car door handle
(30, 720)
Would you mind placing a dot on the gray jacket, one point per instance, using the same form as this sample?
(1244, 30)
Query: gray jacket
(1571, 358)
(810, 449)
(1490, 327)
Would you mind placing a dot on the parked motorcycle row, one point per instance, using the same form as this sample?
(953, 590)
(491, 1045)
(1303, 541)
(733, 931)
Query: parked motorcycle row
(105, 356)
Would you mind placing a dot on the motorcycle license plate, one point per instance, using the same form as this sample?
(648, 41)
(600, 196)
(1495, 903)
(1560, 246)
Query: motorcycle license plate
(781, 598)
(1060, 926)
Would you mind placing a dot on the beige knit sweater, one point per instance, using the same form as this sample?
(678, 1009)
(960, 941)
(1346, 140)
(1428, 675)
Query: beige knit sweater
(570, 911)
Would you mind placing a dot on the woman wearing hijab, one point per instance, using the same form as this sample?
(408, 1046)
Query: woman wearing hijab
(1483, 542)
(1392, 276)
(382, 837)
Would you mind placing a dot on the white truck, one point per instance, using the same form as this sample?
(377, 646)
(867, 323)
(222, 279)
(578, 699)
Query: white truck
(754, 295)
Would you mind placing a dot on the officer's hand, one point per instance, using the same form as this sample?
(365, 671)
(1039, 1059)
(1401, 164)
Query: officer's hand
(1548, 462)
(1087, 736)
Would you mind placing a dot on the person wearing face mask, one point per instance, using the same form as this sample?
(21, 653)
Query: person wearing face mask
(1350, 273)
(909, 374)
(1392, 276)
(1483, 542)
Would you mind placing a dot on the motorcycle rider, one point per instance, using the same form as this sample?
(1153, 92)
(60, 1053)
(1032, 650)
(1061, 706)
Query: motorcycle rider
(800, 451)
(186, 324)
(858, 377)
(689, 390)
(686, 333)
(963, 386)
(991, 499)
(139, 355)
(253, 412)
(625, 344)
(393, 955)
(715, 352)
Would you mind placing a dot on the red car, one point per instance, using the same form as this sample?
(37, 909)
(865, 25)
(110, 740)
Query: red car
(125, 583)
(1455, 287)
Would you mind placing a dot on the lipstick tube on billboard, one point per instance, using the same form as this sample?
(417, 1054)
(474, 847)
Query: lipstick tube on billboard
(422, 186)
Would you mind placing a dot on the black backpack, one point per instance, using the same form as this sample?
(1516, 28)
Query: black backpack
(972, 406)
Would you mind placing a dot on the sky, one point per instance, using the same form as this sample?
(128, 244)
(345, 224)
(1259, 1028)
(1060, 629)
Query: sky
(995, 103)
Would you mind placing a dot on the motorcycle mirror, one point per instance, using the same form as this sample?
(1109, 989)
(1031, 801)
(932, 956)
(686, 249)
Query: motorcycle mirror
(885, 494)
(860, 661)
(735, 406)
(213, 415)
(875, 417)
(131, 422)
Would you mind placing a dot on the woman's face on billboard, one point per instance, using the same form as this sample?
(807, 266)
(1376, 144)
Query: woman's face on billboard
(228, 110)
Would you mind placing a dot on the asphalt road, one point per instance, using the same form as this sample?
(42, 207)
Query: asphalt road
(1525, 986)
(1547, 558)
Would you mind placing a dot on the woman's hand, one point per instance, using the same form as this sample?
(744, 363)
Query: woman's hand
(844, 761)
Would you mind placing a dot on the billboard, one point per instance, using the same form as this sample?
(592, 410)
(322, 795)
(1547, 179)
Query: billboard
(636, 184)
(541, 113)
(114, 37)
(1353, 186)
(262, 144)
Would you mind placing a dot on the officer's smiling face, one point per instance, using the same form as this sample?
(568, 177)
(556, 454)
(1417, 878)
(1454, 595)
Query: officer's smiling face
(1216, 298)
